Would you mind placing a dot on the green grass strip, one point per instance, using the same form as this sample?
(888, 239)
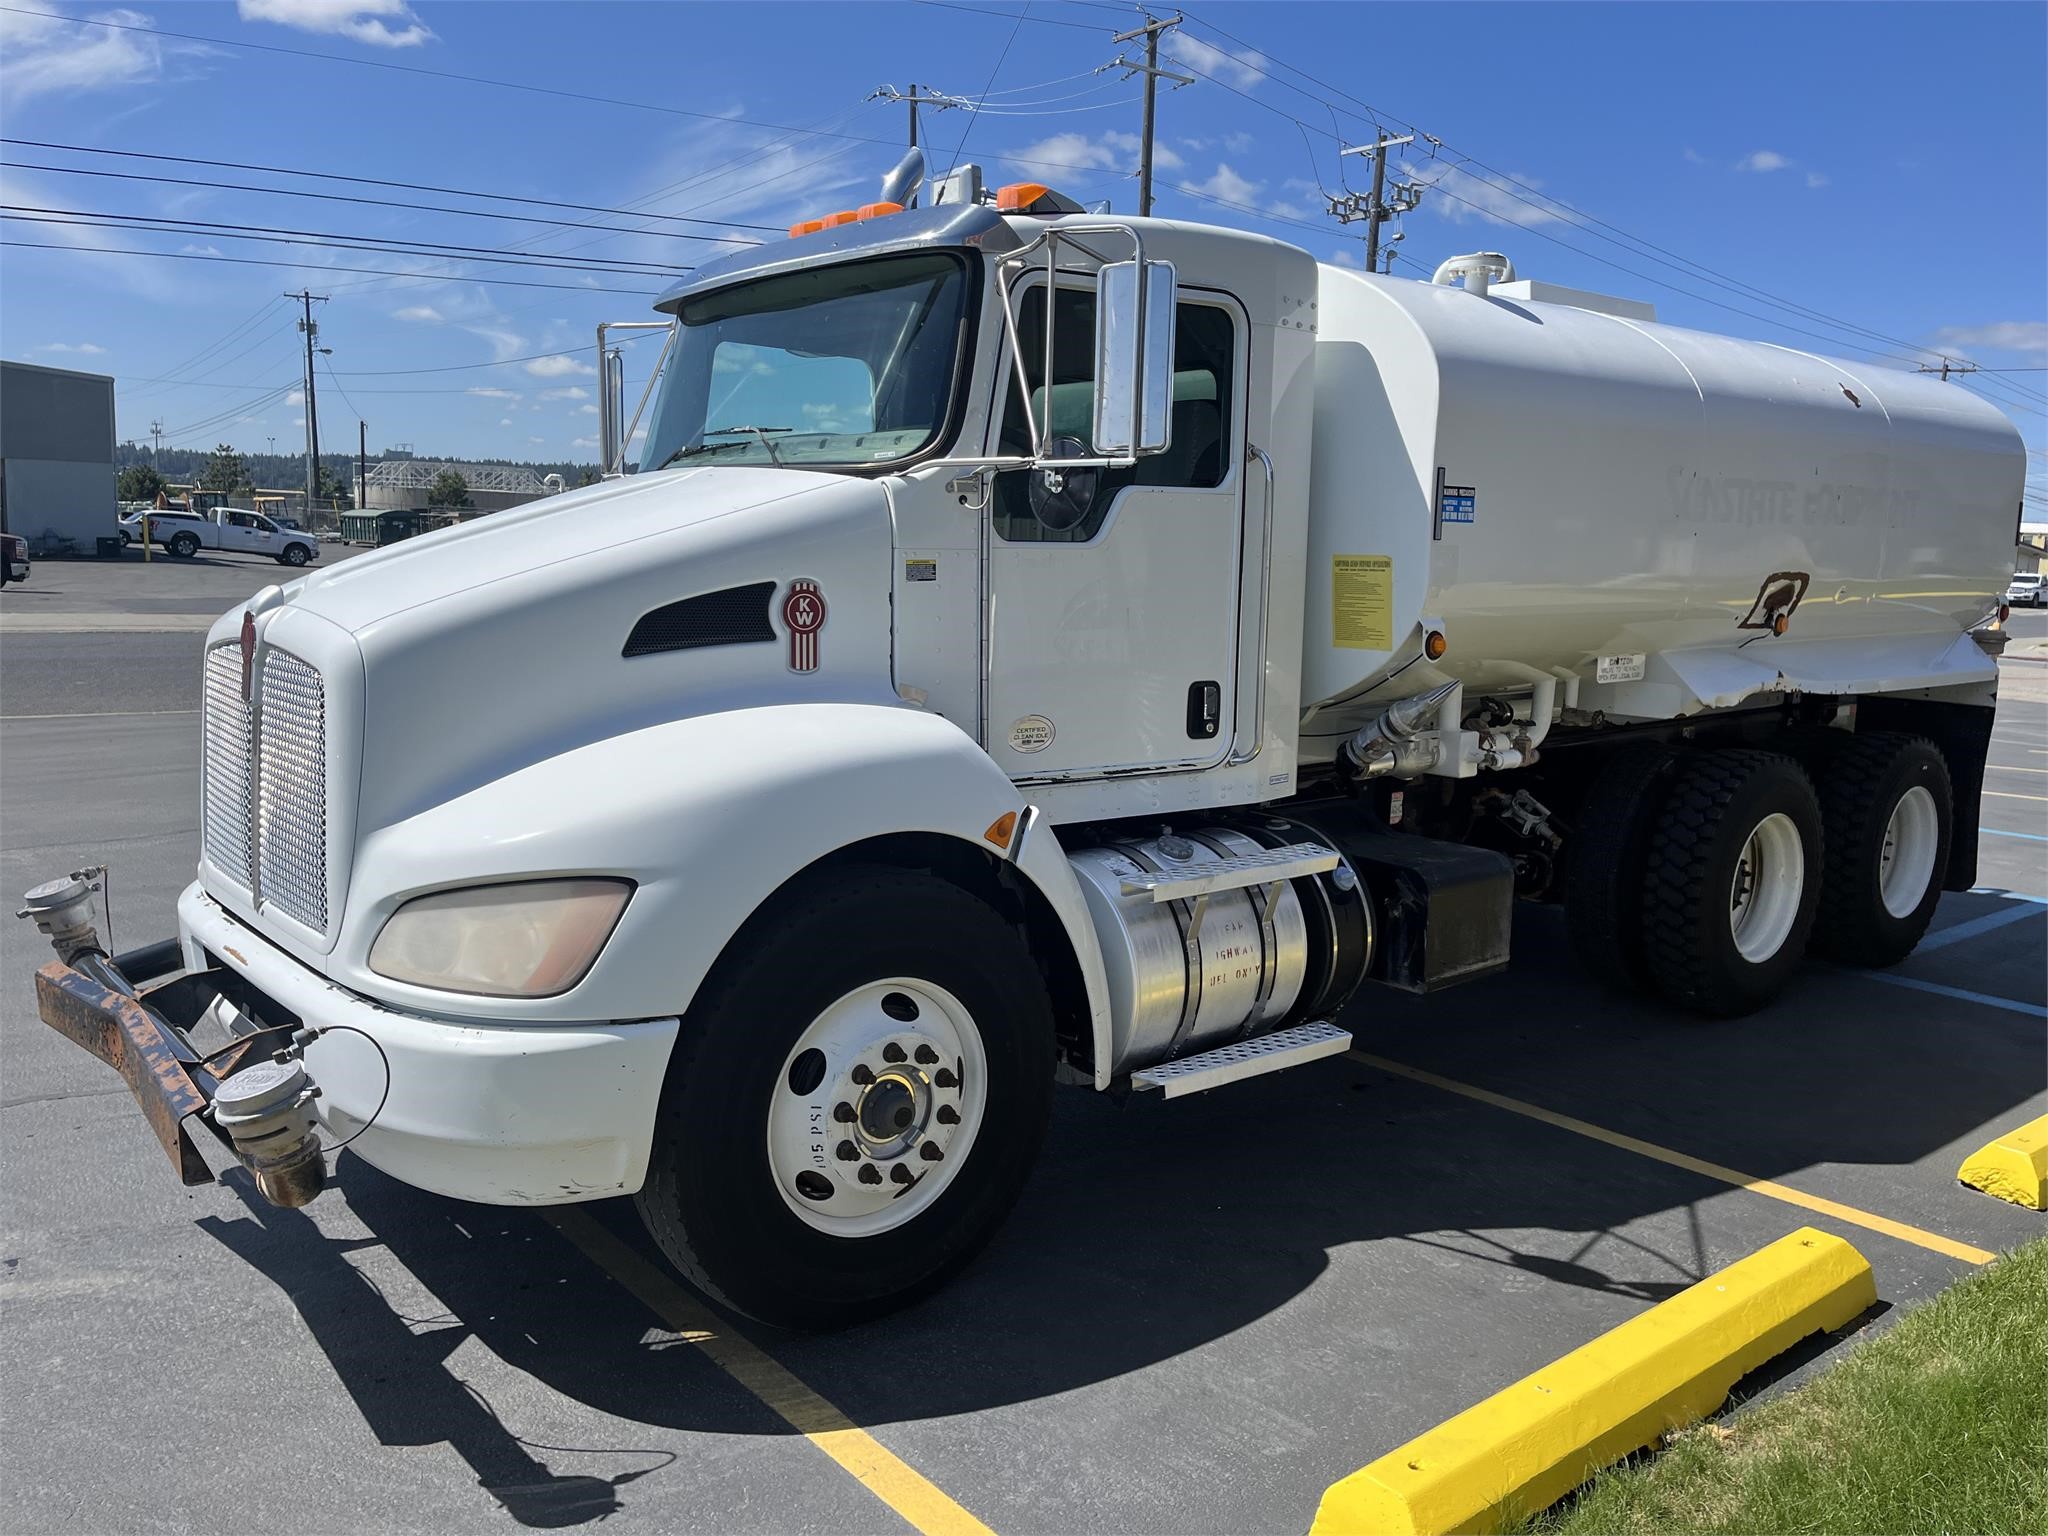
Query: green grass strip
(1937, 1424)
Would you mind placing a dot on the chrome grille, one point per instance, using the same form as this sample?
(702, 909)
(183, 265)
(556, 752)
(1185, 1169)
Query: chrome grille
(291, 790)
(226, 822)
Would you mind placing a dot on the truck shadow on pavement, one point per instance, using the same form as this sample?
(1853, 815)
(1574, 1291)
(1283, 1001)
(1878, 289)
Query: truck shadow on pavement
(1153, 1230)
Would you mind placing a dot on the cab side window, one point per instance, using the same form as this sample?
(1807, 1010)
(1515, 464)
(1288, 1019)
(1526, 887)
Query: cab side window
(1204, 351)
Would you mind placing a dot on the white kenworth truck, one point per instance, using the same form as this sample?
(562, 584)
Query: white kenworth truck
(1042, 645)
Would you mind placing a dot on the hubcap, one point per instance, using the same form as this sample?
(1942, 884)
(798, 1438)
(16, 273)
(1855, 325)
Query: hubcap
(1905, 864)
(877, 1106)
(1763, 898)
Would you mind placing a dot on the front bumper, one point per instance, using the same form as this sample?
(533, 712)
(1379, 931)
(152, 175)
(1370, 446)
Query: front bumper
(506, 1114)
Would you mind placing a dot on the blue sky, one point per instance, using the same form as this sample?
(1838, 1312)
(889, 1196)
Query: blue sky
(1882, 168)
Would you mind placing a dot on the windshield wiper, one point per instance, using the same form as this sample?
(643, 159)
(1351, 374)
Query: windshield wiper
(760, 432)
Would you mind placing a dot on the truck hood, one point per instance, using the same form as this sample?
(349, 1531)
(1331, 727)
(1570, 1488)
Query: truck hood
(501, 642)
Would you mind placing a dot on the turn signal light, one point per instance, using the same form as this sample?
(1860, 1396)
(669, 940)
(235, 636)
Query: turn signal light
(1002, 829)
(876, 211)
(1434, 645)
(807, 227)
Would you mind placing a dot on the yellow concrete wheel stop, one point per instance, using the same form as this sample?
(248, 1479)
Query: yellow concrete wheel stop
(1527, 1446)
(2014, 1167)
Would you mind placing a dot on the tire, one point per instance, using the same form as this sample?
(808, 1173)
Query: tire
(184, 545)
(714, 1200)
(1712, 945)
(127, 538)
(1603, 873)
(1888, 809)
(295, 555)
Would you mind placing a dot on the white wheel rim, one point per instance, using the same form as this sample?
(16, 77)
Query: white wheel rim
(1763, 898)
(1905, 864)
(864, 1143)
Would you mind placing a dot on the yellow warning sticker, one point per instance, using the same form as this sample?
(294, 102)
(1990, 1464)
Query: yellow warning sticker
(1362, 602)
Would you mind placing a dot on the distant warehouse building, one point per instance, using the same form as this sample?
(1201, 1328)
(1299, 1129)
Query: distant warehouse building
(56, 456)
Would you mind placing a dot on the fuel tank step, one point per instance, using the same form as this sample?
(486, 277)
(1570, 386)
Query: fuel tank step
(1245, 1058)
(1233, 874)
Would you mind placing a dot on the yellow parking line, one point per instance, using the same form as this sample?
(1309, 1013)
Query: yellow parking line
(880, 1471)
(1767, 1187)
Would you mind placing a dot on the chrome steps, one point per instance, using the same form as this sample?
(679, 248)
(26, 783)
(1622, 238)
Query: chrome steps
(1244, 1058)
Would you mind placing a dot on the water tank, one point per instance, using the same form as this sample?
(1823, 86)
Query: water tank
(1559, 484)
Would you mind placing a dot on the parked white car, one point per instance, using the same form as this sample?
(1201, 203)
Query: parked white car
(2027, 590)
(184, 534)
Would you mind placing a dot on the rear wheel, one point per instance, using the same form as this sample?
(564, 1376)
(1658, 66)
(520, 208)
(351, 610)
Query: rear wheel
(1603, 874)
(184, 545)
(1732, 881)
(295, 554)
(1888, 808)
(855, 1102)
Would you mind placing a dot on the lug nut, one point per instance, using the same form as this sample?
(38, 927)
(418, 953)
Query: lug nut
(847, 1152)
(902, 1175)
(926, 1056)
(930, 1153)
(843, 1112)
(860, 1074)
(869, 1174)
(892, 1052)
(948, 1115)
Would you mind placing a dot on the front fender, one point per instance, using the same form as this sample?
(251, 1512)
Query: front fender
(709, 816)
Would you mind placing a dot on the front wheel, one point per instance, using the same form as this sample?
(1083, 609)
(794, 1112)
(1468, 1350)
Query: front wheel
(855, 1101)
(1732, 881)
(295, 554)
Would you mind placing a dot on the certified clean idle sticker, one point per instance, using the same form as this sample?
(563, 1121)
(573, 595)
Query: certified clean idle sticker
(1033, 733)
(1619, 669)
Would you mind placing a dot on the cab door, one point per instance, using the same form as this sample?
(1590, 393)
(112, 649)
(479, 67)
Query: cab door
(251, 532)
(1112, 643)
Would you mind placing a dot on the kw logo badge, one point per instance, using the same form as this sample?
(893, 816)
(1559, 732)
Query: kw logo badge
(803, 611)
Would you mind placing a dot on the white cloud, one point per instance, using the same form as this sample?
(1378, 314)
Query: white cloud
(487, 393)
(1243, 70)
(1110, 151)
(557, 367)
(49, 53)
(200, 250)
(1816, 179)
(504, 343)
(1763, 160)
(1693, 156)
(362, 20)
(2029, 336)
(296, 397)
(505, 421)
(1227, 186)
(536, 440)
(573, 392)
(83, 348)
(1345, 259)
(1463, 196)
(585, 410)
(584, 442)
(426, 314)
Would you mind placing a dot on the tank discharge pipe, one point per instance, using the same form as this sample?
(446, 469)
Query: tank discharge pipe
(1480, 269)
(1387, 743)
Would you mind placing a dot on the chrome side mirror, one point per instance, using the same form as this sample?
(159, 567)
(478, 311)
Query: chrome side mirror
(1134, 314)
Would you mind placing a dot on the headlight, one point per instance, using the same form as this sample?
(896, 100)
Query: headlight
(532, 939)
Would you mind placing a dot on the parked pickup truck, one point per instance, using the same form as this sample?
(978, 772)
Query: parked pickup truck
(184, 534)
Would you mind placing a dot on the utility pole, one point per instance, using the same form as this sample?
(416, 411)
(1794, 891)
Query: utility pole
(156, 431)
(362, 465)
(915, 96)
(312, 330)
(1152, 72)
(1376, 207)
(1948, 366)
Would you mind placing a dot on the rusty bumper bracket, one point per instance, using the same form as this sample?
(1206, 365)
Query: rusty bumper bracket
(162, 1069)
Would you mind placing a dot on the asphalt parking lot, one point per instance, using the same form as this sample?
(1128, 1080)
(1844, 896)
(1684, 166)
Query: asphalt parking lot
(1200, 1315)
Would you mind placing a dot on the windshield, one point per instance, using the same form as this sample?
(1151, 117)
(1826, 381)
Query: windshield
(852, 364)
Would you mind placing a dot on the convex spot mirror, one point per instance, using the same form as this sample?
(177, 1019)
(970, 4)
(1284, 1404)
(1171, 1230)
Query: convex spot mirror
(1061, 494)
(1134, 314)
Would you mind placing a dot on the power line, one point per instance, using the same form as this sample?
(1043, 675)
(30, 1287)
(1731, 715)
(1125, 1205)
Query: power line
(375, 181)
(310, 266)
(964, 132)
(339, 197)
(271, 234)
